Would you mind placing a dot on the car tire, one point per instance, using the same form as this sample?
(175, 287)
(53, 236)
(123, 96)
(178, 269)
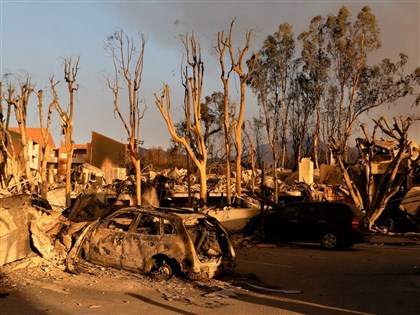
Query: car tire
(162, 269)
(330, 240)
(251, 227)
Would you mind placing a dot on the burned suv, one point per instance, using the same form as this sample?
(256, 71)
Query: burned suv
(147, 239)
(334, 225)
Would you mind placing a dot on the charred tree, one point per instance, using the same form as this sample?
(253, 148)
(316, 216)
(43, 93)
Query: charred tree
(222, 43)
(45, 133)
(16, 171)
(128, 68)
(379, 187)
(237, 62)
(71, 69)
(193, 83)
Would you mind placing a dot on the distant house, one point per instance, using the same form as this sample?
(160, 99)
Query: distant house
(109, 155)
(35, 142)
(79, 157)
(102, 152)
(384, 153)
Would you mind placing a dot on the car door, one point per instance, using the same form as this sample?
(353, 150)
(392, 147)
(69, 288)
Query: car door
(106, 243)
(141, 242)
(282, 223)
(311, 222)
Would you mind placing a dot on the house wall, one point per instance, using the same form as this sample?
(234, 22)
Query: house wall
(34, 151)
(52, 165)
(108, 155)
(34, 154)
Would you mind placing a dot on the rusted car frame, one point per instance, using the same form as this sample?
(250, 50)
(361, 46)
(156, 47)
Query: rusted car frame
(146, 239)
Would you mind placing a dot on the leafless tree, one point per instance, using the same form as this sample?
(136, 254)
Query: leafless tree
(20, 103)
(45, 132)
(71, 69)
(375, 193)
(222, 42)
(193, 82)
(17, 100)
(9, 166)
(237, 61)
(128, 68)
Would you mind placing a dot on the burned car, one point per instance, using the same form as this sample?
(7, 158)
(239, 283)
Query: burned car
(165, 240)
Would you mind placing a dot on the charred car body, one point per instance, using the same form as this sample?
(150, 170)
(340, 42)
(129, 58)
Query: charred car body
(147, 239)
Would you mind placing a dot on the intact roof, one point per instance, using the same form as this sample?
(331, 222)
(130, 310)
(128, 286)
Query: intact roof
(36, 135)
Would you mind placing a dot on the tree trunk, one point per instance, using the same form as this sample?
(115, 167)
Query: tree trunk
(284, 129)
(228, 170)
(26, 159)
(354, 192)
(316, 135)
(275, 163)
(137, 166)
(69, 162)
(44, 176)
(387, 187)
(238, 166)
(203, 182)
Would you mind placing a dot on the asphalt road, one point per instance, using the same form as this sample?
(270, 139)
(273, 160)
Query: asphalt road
(373, 279)
(296, 279)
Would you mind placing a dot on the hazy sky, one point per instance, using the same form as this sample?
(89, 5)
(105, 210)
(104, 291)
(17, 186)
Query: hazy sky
(37, 35)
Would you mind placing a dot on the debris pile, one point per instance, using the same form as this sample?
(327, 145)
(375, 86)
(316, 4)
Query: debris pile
(173, 184)
(29, 225)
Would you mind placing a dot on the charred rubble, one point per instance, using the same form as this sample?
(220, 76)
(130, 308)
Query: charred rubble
(52, 230)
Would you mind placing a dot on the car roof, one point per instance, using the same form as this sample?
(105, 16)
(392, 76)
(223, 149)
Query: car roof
(164, 212)
(356, 211)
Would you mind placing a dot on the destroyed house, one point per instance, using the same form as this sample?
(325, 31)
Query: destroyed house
(383, 153)
(102, 153)
(108, 155)
(79, 157)
(35, 143)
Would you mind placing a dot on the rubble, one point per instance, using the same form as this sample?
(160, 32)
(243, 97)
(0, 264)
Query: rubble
(14, 238)
(53, 230)
(173, 186)
(19, 216)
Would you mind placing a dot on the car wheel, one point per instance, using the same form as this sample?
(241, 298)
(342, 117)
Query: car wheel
(162, 269)
(251, 227)
(330, 240)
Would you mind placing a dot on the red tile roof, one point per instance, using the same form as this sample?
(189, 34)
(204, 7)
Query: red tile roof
(36, 135)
